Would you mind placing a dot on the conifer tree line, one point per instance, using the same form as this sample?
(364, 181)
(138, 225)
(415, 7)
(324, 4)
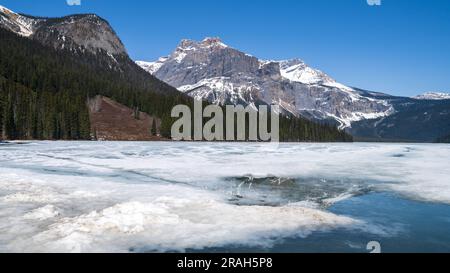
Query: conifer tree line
(444, 139)
(26, 114)
(44, 94)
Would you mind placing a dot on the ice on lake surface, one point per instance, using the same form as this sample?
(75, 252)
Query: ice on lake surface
(163, 196)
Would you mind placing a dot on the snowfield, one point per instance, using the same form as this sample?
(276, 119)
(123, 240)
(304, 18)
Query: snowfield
(133, 197)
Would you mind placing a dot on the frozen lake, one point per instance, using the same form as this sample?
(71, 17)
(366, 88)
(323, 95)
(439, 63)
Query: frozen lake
(161, 196)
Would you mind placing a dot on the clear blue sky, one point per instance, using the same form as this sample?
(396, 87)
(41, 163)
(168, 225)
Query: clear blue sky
(401, 47)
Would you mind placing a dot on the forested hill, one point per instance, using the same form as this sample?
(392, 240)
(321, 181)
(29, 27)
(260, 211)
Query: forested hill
(44, 93)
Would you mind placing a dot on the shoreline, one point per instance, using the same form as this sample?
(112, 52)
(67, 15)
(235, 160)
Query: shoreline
(228, 142)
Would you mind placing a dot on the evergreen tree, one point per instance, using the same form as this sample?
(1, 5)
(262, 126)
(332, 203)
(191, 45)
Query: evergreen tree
(153, 129)
(166, 126)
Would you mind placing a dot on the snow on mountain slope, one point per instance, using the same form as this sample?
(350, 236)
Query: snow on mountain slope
(213, 71)
(433, 96)
(152, 67)
(222, 90)
(17, 23)
(297, 71)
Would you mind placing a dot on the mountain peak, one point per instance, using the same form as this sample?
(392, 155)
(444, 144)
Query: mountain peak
(86, 30)
(17, 23)
(208, 42)
(77, 32)
(212, 71)
(186, 43)
(6, 10)
(213, 41)
(433, 96)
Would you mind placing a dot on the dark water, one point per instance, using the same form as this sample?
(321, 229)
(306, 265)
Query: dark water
(407, 226)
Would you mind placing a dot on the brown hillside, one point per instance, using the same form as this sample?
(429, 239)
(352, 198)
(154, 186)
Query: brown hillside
(113, 121)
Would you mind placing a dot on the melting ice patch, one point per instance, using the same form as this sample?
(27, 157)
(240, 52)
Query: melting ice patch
(169, 224)
(84, 217)
(119, 197)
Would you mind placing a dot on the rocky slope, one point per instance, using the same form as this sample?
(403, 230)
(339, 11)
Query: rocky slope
(414, 120)
(113, 121)
(86, 32)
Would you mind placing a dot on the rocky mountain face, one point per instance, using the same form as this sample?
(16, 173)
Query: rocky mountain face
(213, 71)
(80, 32)
(87, 36)
(77, 33)
(414, 120)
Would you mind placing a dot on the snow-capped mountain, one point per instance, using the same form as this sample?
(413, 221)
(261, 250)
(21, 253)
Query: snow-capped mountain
(211, 70)
(77, 33)
(433, 96)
